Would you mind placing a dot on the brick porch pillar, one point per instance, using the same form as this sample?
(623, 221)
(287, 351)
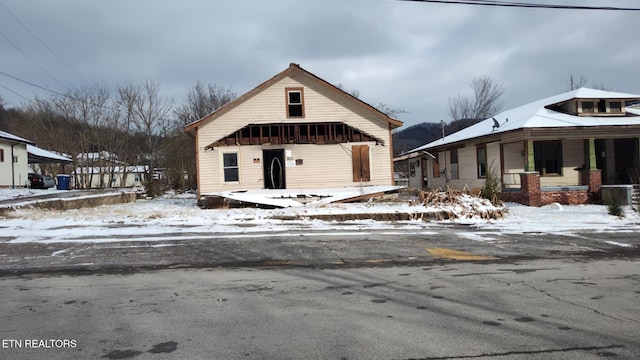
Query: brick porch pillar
(530, 188)
(592, 178)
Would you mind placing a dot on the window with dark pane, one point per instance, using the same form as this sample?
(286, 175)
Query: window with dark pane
(548, 157)
(615, 107)
(230, 167)
(481, 153)
(295, 106)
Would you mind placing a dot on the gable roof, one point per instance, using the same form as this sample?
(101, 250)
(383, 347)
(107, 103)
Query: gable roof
(37, 155)
(292, 69)
(537, 115)
(7, 136)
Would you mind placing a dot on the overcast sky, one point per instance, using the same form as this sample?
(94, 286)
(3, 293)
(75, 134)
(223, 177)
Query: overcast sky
(408, 55)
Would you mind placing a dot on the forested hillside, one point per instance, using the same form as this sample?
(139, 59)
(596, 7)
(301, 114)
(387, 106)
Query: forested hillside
(417, 135)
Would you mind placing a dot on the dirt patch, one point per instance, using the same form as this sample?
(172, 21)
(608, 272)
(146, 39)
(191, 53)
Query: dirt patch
(390, 217)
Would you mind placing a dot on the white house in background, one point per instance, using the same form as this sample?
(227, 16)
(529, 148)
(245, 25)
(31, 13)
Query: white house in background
(14, 163)
(293, 131)
(17, 154)
(98, 170)
(118, 176)
(558, 149)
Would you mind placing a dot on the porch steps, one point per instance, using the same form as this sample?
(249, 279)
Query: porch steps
(635, 197)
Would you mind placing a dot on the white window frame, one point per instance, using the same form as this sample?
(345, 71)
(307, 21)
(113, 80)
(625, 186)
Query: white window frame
(300, 91)
(619, 110)
(592, 110)
(223, 178)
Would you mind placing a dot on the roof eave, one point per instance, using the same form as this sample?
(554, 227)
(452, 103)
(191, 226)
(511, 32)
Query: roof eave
(191, 128)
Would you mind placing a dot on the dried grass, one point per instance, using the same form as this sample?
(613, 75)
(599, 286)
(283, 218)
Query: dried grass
(459, 204)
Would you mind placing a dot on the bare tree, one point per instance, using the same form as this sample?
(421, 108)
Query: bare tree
(149, 117)
(573, 83)
(484, 103)
(89, 108)
(202, 101)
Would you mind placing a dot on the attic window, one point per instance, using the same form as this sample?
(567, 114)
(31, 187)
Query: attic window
(295, 102)
(587, 107)
(615, 107)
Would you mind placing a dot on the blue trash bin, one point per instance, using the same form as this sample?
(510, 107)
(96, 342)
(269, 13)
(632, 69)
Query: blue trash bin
(63, 182)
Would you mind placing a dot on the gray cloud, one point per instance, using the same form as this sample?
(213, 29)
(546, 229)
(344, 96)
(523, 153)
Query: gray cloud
(407, 55)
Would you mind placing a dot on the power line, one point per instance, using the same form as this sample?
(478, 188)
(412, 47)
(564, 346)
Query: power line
(32, 84)
(68, 96)
(33, 61)
(525, 5)
(41, 42)
(15, 93)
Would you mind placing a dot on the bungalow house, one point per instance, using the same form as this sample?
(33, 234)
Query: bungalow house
(293, 131)
(560, 149)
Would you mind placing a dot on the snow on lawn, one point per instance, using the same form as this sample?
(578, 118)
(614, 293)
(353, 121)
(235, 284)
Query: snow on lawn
(10, 194)
(175, 217)
(558, 218)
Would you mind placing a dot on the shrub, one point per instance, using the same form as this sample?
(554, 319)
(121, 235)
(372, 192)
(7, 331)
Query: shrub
(615, 208)
(491, 187)
(155, 188)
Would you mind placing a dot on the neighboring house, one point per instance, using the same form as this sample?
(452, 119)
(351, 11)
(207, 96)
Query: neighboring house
(102, 169)
(16, 154)
(559, 149)
(118, 176)
(14, 165)
(96, 158)
(294, 131)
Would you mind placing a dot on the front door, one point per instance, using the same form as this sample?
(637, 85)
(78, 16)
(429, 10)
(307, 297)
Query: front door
(274, 169)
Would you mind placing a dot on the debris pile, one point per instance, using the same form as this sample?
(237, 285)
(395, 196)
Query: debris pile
(455, 204)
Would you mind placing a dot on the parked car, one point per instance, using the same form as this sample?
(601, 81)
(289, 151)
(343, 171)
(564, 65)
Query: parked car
(49, 182)
(37, 181)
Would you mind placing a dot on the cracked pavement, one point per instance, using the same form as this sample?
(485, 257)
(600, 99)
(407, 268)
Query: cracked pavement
(527, 309)
(348, 294)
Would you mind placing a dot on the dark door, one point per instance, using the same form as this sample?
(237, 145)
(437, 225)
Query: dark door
(601, 161)
(274, 167)
(626, 159)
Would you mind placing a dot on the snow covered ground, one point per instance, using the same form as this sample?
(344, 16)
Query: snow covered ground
(175, 217)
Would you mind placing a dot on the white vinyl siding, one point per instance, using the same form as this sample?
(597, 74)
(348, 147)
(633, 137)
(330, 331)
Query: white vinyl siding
(323, 165)
(19, 170)
(513, 163)
(269, 106)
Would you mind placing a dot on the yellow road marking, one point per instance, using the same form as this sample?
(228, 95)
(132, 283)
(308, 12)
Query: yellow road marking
(456, 254)
(377, 261)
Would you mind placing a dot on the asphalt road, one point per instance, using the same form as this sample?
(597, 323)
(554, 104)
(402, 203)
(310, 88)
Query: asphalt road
(317, 249)
(448, 292)
(534, 309)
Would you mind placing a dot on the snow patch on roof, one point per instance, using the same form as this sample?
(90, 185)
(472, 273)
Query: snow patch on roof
(11, 137)
(536, 115)
(42, 153)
